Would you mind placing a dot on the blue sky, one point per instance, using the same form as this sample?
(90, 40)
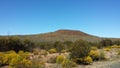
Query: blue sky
(96, 17)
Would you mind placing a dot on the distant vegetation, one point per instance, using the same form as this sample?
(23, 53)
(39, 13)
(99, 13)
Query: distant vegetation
(16, 44)
(15, 51)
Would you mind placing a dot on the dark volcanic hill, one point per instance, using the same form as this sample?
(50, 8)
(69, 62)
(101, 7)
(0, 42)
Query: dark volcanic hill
(63, 35)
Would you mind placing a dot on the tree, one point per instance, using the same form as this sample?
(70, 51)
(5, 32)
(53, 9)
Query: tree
(4, 44)
(106, 42)
(68, 44)
(59, 46)
(80, 49)
(117, 42)
(15, 43)
(28, 45)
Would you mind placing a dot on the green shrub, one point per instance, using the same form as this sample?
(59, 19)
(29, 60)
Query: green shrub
(119, 53)
(45, 53)
(60, 59)
(15, 43)
(87, 60)
(94, 54)
(68, 64)
(107, 49)
(10, 58)
(58, 45)
(29, 64)
(53, 50)
(1, 58)
(80, 49)
(23, 54)
(15, 60)
(102, 56)
(63, 51)
(115, 46)
(97, 55)
(37, 64)
(23, 64)
(94, 48)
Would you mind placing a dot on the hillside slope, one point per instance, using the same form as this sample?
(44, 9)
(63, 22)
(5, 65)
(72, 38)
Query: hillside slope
(63, 35)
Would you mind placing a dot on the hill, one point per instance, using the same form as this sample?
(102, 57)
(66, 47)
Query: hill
(63, 35)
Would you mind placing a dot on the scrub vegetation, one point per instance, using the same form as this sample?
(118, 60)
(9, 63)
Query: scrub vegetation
(24, 53)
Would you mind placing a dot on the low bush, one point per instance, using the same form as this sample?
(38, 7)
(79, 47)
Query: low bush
(94, 48)
(23, 64)
(87, 60)
(115, 46)
(24, 54)
(102, 56)
(44, 52)
(1, 58)
(107, 49)
(10, 58)
(52, 60)
(60, 59)
(68, 64)
(15, 60)
(80, 49)
(94, 54)
(53, 50)
(37, 64)
(36, 51)
(63, 51)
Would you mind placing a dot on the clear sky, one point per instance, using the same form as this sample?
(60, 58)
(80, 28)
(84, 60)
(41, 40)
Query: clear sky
(96, 17)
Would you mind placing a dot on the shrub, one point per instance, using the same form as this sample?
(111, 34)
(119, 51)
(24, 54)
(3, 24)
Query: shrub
(102, 56)
(23, 54)
(94, 48)
(63, 51)
(80, 49)
(14, 60)
(39, 56)
(1, 58)
(23, 64)
(115, 46)
(52, 60)
(53, 50)
(10, 58)
(68, 64)
(107, 49)
(94, 54)
(118, 52)
(16, 44)
(60, 59)
(37, 64)
(43, 52)
(58, 46)
(106, 42)
(87, 60)
(36, 51)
